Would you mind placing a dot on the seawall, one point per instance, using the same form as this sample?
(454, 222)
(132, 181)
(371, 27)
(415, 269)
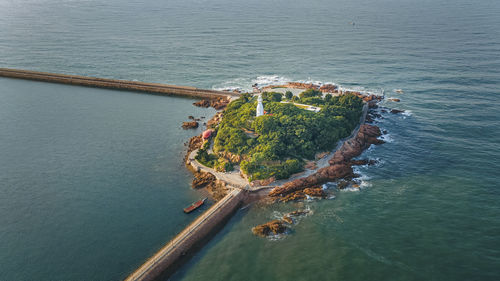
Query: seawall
(173, 254)
(156, 88)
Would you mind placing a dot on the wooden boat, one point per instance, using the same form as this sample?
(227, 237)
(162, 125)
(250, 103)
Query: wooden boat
(194, 206)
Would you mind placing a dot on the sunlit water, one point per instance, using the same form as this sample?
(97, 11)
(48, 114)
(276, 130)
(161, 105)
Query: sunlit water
(92, 181)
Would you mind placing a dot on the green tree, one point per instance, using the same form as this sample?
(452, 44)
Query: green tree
(310, 93)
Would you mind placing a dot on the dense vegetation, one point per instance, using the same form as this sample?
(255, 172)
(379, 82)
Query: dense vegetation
(277, 143)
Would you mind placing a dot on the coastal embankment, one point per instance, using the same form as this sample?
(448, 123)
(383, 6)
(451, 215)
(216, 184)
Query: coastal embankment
(177, 251)
(155, 88)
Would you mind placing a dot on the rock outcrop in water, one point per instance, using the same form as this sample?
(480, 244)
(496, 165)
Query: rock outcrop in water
(340, 164)
(317, 192)
(218, 104)
(275, 227)
(190, 125)
(328, 88)
(270, 228)
(396, 111)
(366, 136)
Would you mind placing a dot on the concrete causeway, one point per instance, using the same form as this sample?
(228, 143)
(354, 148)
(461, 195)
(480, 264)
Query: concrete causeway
(166, 260)
(156, 88)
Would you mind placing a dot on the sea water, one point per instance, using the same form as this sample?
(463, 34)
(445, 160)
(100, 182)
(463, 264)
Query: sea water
(92, 181)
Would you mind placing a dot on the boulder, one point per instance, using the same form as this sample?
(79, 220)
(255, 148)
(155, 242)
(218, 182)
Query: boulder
(287, 219)
(202, 179)
(194, 143)
(270, 228)
(218, 103)
(264, 182)
(190, 125)
(396, 111)
(328, 88)
(315, 192)
(298, 213)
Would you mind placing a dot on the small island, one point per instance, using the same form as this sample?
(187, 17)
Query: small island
(283, 143)
(276, 143)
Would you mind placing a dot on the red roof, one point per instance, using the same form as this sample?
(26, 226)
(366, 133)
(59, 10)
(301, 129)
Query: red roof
(207, 134)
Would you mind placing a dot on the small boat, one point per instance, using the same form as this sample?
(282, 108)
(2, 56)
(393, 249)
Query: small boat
(194, 206)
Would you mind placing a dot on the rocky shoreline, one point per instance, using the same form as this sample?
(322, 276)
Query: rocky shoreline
(340, 166)
(339, 169)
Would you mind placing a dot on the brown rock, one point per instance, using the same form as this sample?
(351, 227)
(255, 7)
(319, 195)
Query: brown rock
(340, 165)
(194, 143)
(294, 196)
(321, 155)
(287, 219)
(218, 104)
(310, 165)
(202, 179)
(202, 103)
(394, 100)
(328, 88)
(396, 111)
(270, 228)
(190, 125)
(212, 123)
(315, 192)
(217, 189)
(323, 175)
(299, 213)
(367, 135)
(264, 182)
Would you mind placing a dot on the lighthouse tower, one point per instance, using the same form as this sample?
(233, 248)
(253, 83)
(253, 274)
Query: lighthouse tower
(260, 107)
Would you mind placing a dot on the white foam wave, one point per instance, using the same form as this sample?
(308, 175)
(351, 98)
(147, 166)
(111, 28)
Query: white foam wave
(235, 84)
(407, 113)
(350, 189)
(245, 84)
(277, 215)
(266, 80)
(364, 184)
(387, 138)
(278, 237)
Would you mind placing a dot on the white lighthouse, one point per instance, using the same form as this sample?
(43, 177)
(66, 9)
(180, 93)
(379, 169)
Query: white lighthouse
(260, 107)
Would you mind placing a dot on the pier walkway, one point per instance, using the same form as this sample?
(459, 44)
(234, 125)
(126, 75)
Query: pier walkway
(166, 260)
(156, 88)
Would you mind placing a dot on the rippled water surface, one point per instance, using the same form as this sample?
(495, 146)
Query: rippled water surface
(92, 180)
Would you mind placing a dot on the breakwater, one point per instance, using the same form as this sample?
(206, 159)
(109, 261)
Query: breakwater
(173, 254)
(156, 88)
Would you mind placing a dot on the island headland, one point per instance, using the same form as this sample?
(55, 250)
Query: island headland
(280, 143)
(307, 135)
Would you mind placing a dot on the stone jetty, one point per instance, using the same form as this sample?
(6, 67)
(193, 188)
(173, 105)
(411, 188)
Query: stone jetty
(156, 88)
(167, 259)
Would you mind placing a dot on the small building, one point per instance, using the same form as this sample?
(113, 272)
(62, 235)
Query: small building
(207, 134)
(260, 107)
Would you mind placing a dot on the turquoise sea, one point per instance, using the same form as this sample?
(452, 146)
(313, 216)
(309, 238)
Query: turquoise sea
(92, 181)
